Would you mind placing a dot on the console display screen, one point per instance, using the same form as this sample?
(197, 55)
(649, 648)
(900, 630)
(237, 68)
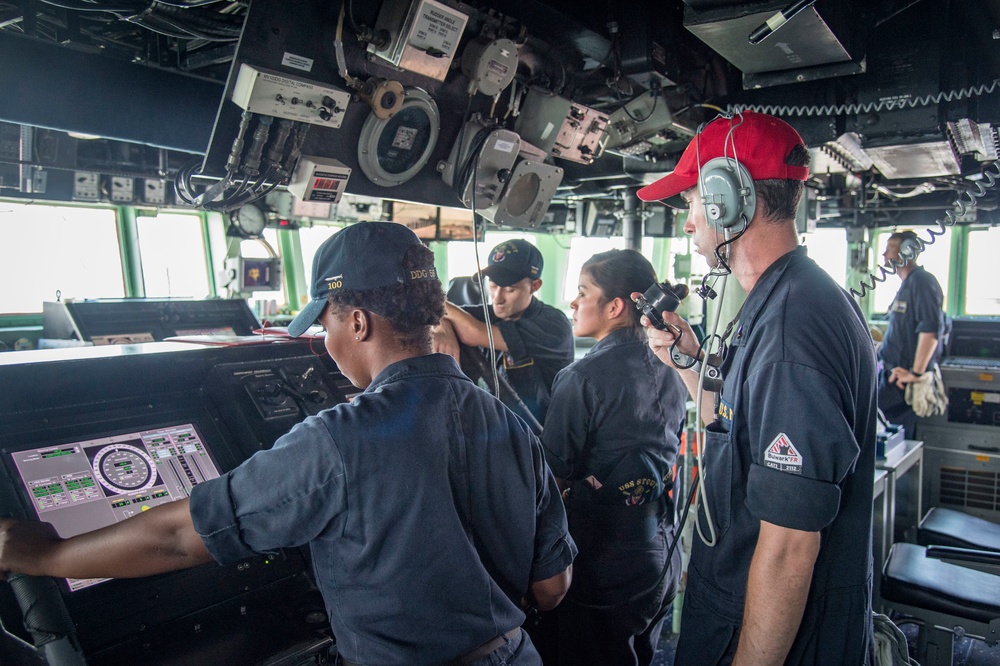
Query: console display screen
(82, 486)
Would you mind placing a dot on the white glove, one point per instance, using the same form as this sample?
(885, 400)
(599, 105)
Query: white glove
(927, 396)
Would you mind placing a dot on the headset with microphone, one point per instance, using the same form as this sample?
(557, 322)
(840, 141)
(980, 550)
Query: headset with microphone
(726, 188)
(728, 198)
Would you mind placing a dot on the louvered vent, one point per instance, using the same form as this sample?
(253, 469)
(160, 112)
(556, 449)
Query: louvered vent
(970, 488)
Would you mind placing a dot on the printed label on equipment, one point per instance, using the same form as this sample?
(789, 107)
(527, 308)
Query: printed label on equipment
(980, 397)
(496, 71)
(297, 62)
(331, 174)
(320, 209)
(505, 146)
(437, 30)
(405, 136)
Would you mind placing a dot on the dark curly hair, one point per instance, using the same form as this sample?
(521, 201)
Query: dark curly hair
(411, 308)
(778, 198)
(619, 273)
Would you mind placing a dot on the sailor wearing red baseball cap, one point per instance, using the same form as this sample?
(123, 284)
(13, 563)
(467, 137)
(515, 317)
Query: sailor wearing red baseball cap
(761, 143)
(782, 573)
(725, 165)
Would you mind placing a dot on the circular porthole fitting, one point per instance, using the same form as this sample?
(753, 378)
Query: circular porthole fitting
(393, 150)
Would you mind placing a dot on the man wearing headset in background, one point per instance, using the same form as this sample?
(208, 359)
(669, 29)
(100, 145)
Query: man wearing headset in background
(789, 457)
(535, 339)
(916, 323)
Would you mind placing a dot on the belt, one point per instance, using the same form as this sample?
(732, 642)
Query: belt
(485, 648)
(472, 655)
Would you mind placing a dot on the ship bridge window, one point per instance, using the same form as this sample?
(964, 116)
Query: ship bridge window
(49, 249)
(828, 248)
(982, 290)
(172, 247)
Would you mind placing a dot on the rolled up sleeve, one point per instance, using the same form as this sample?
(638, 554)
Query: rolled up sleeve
(554, 547)
(802, 446)
(279, 498)
(215, 520)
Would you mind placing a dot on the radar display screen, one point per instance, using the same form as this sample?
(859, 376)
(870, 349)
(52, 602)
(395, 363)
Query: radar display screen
(83, 486)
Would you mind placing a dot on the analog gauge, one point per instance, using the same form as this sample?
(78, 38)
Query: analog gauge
(249, 219)
(122, 468)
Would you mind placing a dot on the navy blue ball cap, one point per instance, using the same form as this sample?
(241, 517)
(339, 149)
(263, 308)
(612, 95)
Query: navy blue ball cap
(512, 261)
(360, 257)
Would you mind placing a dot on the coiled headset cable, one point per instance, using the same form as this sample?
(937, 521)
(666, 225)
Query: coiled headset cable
(870, 107)
(963, 203)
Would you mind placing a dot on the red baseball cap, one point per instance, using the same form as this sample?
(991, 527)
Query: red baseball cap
(760, 142)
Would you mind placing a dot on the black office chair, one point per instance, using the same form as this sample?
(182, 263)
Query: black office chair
(950, 582)
(464, 291)
(947, 527)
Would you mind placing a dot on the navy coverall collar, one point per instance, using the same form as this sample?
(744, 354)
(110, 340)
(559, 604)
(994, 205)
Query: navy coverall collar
(429, 364)
(616, 337)
(768, 279)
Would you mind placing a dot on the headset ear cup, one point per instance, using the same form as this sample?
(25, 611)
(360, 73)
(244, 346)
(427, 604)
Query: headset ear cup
(727, 193)
(909, 249)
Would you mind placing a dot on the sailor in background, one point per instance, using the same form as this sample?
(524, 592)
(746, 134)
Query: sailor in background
(535, 339)
(911, 347)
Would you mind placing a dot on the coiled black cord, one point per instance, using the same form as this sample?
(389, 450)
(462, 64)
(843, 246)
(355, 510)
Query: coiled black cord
(963, 203)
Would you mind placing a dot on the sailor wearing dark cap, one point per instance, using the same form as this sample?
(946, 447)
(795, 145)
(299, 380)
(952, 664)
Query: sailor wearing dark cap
(397, 494)
(535, 339)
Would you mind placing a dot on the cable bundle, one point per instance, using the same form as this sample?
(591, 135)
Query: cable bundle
(169, 18)
(251, 173)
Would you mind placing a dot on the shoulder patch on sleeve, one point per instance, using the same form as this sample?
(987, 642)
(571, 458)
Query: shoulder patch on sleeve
(782, 455)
